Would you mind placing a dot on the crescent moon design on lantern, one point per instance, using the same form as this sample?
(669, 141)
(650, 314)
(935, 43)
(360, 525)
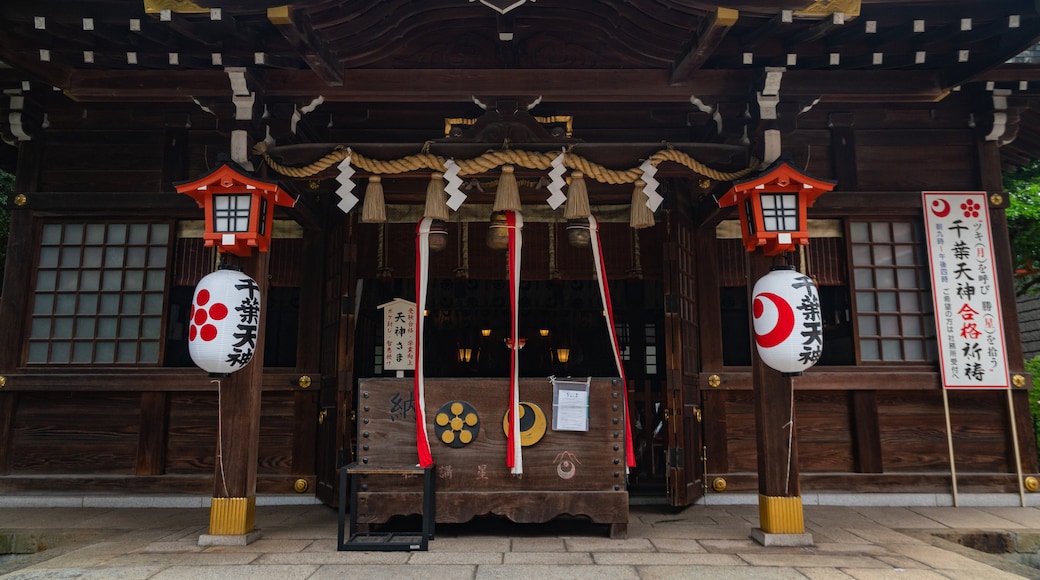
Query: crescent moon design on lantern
(784, 320)
(945, 205)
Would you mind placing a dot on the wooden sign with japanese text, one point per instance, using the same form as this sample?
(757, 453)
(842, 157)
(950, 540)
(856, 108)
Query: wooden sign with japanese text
(399, 327)
(969, 326)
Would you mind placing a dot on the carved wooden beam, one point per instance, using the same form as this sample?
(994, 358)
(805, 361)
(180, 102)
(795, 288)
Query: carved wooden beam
(297, 29)
(710, 34)
(400, 85)
(601, 86)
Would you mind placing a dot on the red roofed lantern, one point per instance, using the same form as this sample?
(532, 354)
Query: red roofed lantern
(239, 209)
(773, 208)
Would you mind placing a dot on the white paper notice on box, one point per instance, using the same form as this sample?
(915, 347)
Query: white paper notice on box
(570, 404)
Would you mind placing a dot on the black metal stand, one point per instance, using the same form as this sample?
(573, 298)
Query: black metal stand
(384, 541)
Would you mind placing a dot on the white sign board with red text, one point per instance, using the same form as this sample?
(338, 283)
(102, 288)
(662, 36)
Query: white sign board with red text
(968, 321)
(399, 328)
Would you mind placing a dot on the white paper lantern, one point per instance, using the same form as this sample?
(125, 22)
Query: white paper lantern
(225, 316)
(788, 326)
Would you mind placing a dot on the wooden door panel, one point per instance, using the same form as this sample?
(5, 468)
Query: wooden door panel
(685, 470)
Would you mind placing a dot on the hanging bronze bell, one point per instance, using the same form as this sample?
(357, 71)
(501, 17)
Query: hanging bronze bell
(578, 234)
(438, 235)
(498, 231)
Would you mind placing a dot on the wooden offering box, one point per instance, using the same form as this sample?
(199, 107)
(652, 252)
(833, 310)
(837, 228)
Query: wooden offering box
(577, 473)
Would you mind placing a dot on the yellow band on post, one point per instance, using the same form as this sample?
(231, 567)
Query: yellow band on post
(781, 515)
(232, 516)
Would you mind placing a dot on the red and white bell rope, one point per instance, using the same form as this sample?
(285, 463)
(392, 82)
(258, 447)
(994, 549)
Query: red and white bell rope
(604, 293)
(422, 280)
(514, 456)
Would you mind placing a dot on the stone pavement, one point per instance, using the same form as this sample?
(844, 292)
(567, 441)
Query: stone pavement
(701, 541)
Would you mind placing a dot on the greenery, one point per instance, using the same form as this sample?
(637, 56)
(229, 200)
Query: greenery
(1033, 368)
(6, 186)
(1023, 214)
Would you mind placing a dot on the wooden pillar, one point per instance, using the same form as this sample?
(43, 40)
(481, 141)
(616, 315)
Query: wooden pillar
(233, 510)
(21, 249)
(779, 491)
(867, 429)
(8, 405)
(153, 436)
(1004, 262)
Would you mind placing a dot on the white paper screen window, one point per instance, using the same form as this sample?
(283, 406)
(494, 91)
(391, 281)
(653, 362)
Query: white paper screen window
(231, 213)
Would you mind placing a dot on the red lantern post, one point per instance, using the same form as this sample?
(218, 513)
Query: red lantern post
(227, 334)
(788, 336)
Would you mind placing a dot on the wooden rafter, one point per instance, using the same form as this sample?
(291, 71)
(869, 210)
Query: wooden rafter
(297, 29)
(749, 40)
(710, 34)
(823, 28)
(1011, 43)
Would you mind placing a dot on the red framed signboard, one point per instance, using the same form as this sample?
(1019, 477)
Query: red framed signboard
(969, 326)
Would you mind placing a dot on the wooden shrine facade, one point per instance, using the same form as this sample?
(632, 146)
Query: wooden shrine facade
(98, 394)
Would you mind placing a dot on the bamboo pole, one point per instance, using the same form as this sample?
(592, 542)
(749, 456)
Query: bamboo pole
(949, 442)
(1018, 456)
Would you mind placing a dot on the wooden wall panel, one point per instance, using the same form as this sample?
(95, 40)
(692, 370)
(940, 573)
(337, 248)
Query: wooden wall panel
(911, 425)
(277, 416)
(192, 260)
(399, 248)
(824, 432)
(930, 161)
(740, 432)
(81, 433)
(193, 433)
(731, 256)
(286, 261)
(651, 258)
(810, 151)
(913, 431)
(205, 150)
(827, 262)
(109, 161)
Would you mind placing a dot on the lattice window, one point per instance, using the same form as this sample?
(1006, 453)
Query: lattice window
(231, 213)
(624, 340)
(891, 289)
(651, 349)
(99, 293)
(780, 212)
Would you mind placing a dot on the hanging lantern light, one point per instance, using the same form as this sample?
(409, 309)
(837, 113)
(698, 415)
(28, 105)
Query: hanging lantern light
(224, 321)
(577, 211)
(374, 209)
(437, 209)
(787, 322)
(239, 209)
(773, 208)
